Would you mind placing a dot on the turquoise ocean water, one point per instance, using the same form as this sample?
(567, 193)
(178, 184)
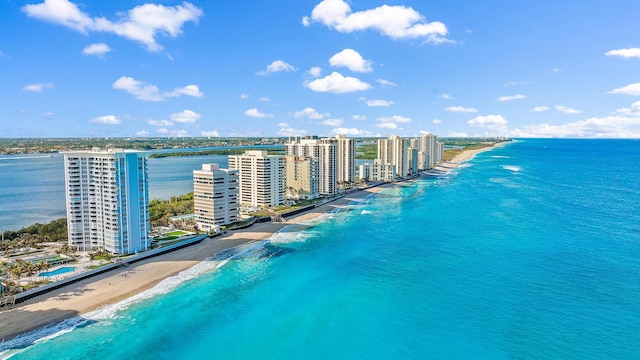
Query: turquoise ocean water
(530, 251)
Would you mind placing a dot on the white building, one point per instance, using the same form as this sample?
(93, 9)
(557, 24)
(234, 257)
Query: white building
(302, 174)
(261, 178)
(325, 150)
(433, 149)
(346, 159)
(107, 200)
(215, 196)
(377, 172)
(393, 150)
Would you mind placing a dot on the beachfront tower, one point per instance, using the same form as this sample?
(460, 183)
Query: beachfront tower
(393, 150)
(215, 197)
(107, 200)
(302, 176)
(325, 151)
(346, 159)
(261, 178)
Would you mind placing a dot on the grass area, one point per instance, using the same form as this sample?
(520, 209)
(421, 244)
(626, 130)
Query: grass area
(35, 284)
(175, 233)
(91, 267)
(24, 253)
(167, 238)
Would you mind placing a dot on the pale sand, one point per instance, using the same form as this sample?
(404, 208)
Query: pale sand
(112, 287)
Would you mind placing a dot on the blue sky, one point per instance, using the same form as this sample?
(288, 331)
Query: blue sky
(277, 68)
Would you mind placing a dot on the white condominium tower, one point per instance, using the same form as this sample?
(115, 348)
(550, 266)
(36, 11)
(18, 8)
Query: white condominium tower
(325, 150)
(261, 178)
(393, 150)
(433, 149)
(346, 159)
(302, 177)
(215, 196)
(107, 200)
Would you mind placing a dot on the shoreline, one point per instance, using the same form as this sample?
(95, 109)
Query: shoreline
(52, 308)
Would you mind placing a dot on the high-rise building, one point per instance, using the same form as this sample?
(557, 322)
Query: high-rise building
(215, 196)
(261, 178)
(393, 150)
(107, 200)
(325, 150)
(378, 172)
(346, 159)
(302, 174)
(429, 145)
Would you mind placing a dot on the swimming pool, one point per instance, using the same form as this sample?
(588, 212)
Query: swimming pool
(62, 270)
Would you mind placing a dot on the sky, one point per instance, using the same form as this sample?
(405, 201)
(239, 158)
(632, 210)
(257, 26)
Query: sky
(545, 68)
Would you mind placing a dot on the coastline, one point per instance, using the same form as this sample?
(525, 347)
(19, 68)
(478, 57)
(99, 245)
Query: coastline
(110, 288)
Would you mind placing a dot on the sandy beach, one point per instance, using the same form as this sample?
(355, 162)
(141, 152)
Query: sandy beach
(114, 286)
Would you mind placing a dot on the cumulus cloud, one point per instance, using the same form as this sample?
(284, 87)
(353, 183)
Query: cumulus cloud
(396, 22)
(391, 122)
(277, 66)
(359, 117)
(514, 83)
(309, 113)
(163, 123)
(211, 133)
(354, 132)
(141, 24)
(567, 110)
(457, 134)
(386, 83)
(107, 119)
(142, 133)
(315, 71)
(606, 127)
(625, 53)
(147, 92)
(540, 109)
(379, 103)
(460, 109)
(185, 117)
(244, 96)
(445, 96)
(338, 84)
(162, 131)
(387, 125)
(436, 121)
(286, 130)
(98, 49)
(332, 122)
(631, 89)
(255, 113)
(352, 60)
(38, 87)
(512, 97)
(497, 123)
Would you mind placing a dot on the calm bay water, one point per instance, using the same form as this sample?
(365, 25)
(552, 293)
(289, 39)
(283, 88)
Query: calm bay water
(530, 252)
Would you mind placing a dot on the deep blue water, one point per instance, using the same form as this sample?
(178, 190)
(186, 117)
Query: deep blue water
(532, 251)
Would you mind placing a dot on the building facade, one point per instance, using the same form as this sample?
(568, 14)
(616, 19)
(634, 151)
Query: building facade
(302, 174)
(325, 151)
(377, 172)
(261, 178)
(393, 151)
(215, 197)
(107, 200)
(345, 160)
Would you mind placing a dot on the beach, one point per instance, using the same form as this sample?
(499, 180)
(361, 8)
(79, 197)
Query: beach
(117, 285)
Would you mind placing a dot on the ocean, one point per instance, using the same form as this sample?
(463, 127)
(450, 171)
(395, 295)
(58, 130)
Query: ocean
(528, 251)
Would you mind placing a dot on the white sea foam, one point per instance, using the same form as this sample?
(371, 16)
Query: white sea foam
(501, 157)
(364, 212)
(511, 167)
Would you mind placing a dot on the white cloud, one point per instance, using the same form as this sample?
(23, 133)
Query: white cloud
(557, 70)
(333, 122)
(211, 133)
(391, 122)
(378, 103)
(352, 60)
(141, 24)
(309, 113)
(567, 110)
(512, 97)
(142, 133)
(244, 96)
(359, 117)
(315, 71)
(436, 121)
(185, 117)
(353, 132)
(264, 99)
(277, 66)
(179, 133)
(396, 22)
(631, 89)
(634, 110)
(540, 109)
(457, 134)
(387, 125)
(286, 130)
(497, 123)
(607, 127)
(255, 113)
(107, 119)
(162, 131)
(625, 53)
(39, 87)
(96, 49)
(147, 92)
(514, 83)
(445, 96)
(338, 84)
(163, 123)
(460, 109)
(384, 82)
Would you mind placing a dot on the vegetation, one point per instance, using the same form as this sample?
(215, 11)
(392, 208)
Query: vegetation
(367, 152)
(234, 151)
(160, 211)
(54, 231)
(452, 153)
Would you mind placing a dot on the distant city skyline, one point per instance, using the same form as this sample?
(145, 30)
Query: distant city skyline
(296, 68)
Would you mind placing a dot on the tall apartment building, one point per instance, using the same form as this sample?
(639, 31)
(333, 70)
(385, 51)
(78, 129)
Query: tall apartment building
(345, 159)
(107, 200)
(302, 174)
(261, 178)
(215, 196)
(433, 149)
(325, 150)
(393, 150)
